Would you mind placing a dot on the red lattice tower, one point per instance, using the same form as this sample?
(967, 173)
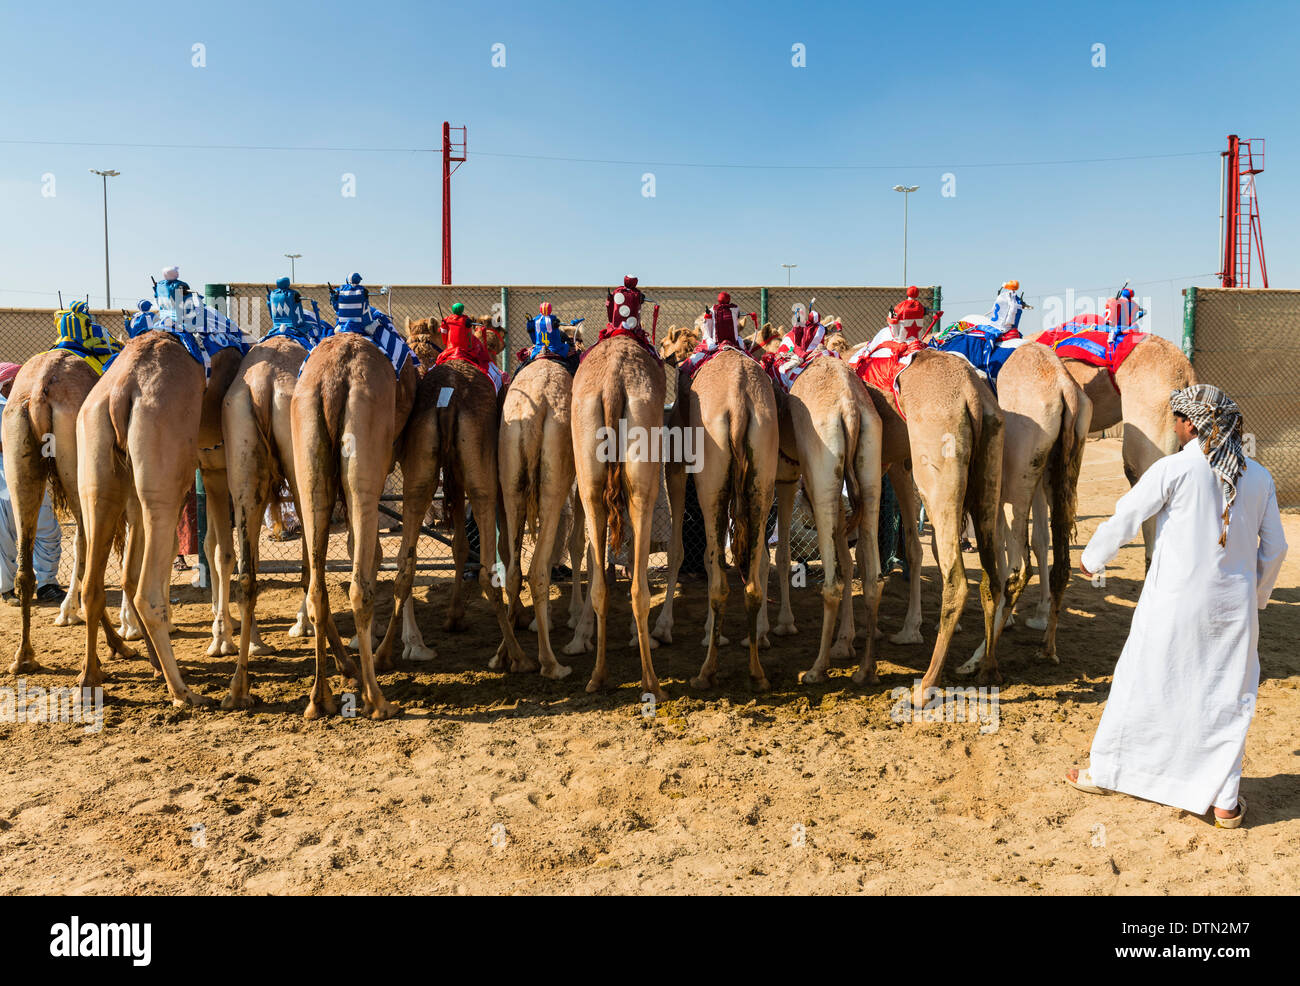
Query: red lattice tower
(452, 153)
(1243, 160)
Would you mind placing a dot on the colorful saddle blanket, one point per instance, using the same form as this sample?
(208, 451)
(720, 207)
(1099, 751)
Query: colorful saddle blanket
(1094, 347)
(703, 353)
(881, 365)
(88, 340)
(379, 329)
(307, 335)
(986, 349)
(785, 368)
(203, 331)
(637, 335)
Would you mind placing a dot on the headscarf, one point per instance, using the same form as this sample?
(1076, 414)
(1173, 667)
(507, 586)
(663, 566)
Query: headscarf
(1217, 420)
(8, 371)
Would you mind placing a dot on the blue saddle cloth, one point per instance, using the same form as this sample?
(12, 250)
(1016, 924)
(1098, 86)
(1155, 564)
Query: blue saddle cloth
(379, 329)
(981, 351)
(312, 330)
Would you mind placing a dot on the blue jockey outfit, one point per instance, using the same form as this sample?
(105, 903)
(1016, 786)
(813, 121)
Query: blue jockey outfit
(548, 337)
(290, 321)
(982, 349)
(361, 318)
(351, 300)
(202, 330)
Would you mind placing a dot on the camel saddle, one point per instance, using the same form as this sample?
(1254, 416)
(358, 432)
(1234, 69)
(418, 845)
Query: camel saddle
(84, 338)
(984, 348)
(703, 352)
(379, 329)
(1092, 346)
(880, 366)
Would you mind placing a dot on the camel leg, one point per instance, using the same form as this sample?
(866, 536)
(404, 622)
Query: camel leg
(833, 548)
(641, 507)
(868, 470)
(419, 479)
(577, 550)
(70, 610)
(132, 557)
(25, 479)
(483, 501)
(315, 539)
(905, 490)
(101, 511)
(455, 621)
(1039, 515)
(675, 480)
(709, 486)
(539, 584)
(759, 505)
(302, 626)
(218, 544)
(363, 517)
(247, 508)
(597, 519)
(785, 491)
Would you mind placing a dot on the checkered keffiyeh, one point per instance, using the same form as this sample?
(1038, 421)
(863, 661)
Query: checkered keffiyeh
(1218, 431)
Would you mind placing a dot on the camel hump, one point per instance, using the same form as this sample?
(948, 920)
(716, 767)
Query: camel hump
(1157, 359)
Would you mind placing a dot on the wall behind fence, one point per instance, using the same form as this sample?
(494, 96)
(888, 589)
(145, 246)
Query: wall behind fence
(1245, 342)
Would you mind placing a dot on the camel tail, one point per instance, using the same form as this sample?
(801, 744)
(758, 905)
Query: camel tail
(453, 483)
(851, 424)
(742, 489)
(1063, 467)
(40, 417)
(615, 493)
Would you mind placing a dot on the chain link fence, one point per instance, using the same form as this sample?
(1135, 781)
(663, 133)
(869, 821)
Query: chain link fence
(1244, 341)
(24, 332)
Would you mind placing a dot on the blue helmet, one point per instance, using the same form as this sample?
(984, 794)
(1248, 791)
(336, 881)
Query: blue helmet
(282, 284)
(354, 279)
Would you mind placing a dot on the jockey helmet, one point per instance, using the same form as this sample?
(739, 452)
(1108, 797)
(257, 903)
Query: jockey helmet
(544, 308)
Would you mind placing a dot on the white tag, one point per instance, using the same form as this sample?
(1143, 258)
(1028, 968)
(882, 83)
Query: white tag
(444, 396)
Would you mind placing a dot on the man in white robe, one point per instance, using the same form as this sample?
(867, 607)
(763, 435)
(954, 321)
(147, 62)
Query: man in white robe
(1183, 692)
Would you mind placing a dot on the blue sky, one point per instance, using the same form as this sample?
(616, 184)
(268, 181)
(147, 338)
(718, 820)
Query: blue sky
(905, 92)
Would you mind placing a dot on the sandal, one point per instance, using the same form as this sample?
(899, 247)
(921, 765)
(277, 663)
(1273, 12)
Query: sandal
(1235, 821)
(180, 564)
(1083, 782)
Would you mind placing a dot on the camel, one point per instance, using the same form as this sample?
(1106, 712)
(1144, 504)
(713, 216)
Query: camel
(535, 463)
(425, 340)
(619, 385)
(40, 449)
(136, 456)
(348, 410)
(1139, 397)
(731, 405)
(1047, 416)
(763, 340)
(259, 457)
(453, 428)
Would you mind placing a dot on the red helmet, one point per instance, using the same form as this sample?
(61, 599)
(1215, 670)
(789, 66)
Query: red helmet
(544, 308)
(724, 298)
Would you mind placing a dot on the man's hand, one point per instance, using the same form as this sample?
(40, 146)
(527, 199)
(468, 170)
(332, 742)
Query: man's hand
(1084, 570)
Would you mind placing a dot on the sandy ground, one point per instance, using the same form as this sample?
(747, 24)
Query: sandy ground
(495, 783)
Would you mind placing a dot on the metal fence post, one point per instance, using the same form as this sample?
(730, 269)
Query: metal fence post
(762, 308)
(937, 297)
(505, 325)
(1189, 322)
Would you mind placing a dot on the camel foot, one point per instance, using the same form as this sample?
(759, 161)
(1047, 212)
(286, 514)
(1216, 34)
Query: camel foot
(595, 685)
(302, 628)
(557, 671)
(191, 699)
(785, 629)
(762, 641)
(1048, 654)
(380, 711)
(498, 662)
(722, 641)
(71, 619)
(128, 632)
(223, 648)
(524, 664)
(841, 649)
(655, 690)
(662, 632)
(88, 680)
(260, 648)
(907, 635)
(635, 641)
(1036, 623)
(759, 684)
(418, 652)
(245, 700)
(532, 627)
(327, 706)
(861, 677)
(704, 681)
(811, 677)
(24, 664)
(578, 645)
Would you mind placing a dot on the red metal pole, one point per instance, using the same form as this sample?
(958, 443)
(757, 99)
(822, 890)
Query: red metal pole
(446, 202)
(1233, 214)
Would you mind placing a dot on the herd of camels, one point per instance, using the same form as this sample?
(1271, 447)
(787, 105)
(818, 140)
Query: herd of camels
(125, 447)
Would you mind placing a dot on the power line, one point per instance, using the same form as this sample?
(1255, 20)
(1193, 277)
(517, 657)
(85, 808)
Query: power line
(613, 161)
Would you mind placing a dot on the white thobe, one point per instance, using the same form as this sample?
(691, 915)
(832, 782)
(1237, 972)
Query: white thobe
(1183, 692)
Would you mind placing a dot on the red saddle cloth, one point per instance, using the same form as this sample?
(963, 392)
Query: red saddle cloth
(701, 354)
(881, 367)
(637, 335)
(1093, 347)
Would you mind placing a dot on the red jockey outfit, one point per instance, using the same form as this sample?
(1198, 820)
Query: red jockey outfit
(906, 321)
(802, 343)
(623, 309)
(463, 344)
(721, 329)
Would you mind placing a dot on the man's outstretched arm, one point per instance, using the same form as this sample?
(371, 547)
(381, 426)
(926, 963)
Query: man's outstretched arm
(1144, 500)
